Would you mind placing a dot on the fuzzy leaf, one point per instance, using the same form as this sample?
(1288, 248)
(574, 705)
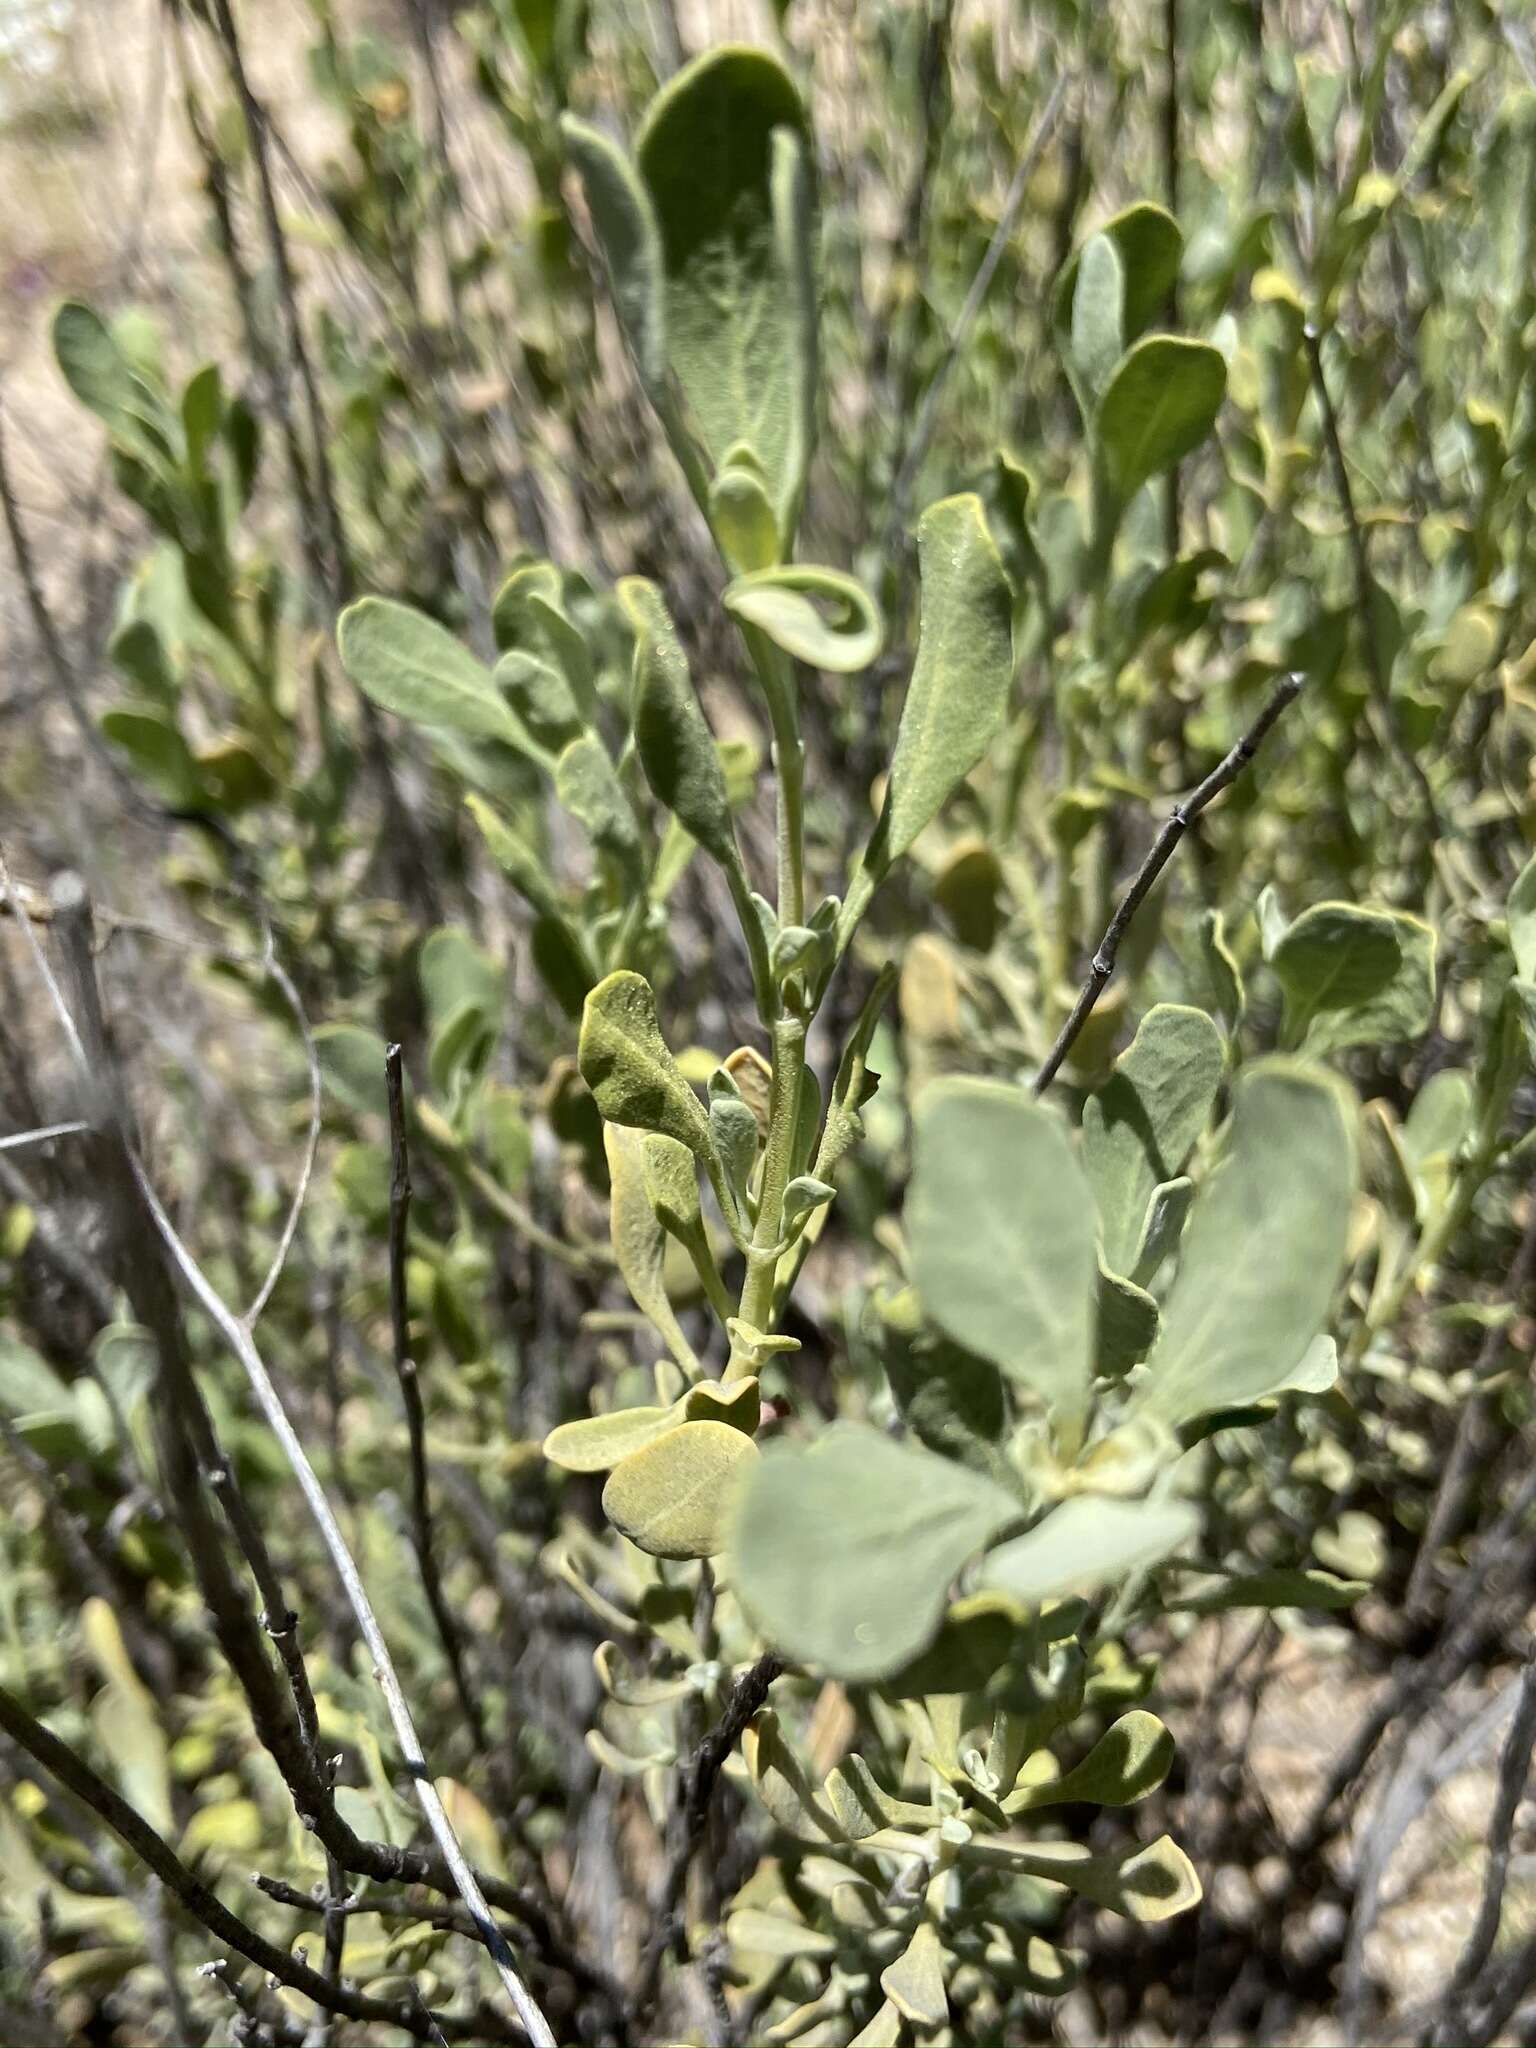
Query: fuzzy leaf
(630, 240)
(724, 157)
(959, 689)
(1263, 1250)
(587, 785)
(633, 1077)
(1088, 1542)
(674, 1496)
(640, 1238)
(1157, 408)
(1148, 1885)
(409, 664)
(914, 1983)
(844, 1553)
(598, 1442)
(817, 615)
(676, 747)
(1001, 1228)
(1277, 1587)
(1098, 301)
(1147, 240)
(1140, 1127)
(1335, 957)
(1129, 1760)
(1399, 1011)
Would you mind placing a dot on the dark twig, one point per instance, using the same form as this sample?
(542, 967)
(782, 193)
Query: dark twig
(1179, 819)
(296, 1758)
(410, 1393)
(77, 1777)
(692, 1815)
(1365, 596)
(1514, 1772)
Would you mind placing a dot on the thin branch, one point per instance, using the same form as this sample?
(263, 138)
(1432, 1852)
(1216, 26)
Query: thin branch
(18, 1139)
(298, 1762)
(692, 1816)
(1159, 853)
(1514, 1772)
(285, 986)
(410, 1394)
(77, 1777)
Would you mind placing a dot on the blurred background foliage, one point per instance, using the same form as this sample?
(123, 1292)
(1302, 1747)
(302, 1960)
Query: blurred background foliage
(335, 322)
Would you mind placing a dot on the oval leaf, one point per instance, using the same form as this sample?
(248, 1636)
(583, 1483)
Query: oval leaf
(844, 1553)
(673, 1498)
(409, 664)
(818, 615)
(1157, 408)
(1001, 1227)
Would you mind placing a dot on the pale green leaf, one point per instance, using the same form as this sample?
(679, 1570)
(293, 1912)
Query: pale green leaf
(409, 664)
(633, 1077)
(1141, 1126)
(1001, 1228)
(1088, 1542)
(819, 616)
(640, 1238)
(1263, 1250)
(844, 1553)
(675, 1496)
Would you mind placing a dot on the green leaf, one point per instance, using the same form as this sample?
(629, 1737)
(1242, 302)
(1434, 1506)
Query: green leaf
(1127, 1325)
(742, 518)
(630, 241)
(633, 1077)
(1141, 1126)
(598, 1442)
(914, 1983)
(1157, 408)
(586, 783)
(959, 689)
(640, 1238)
(516, 858)
(1400, 1011)
(1334, 957)
(818, 615)
(540, 696)
(1160, 1234)
(1148, 1885)
(844, 1553)
(1277, 1587)
(1263, 1251)
(102, 377)
(674, 1497)
(724, 155)
(409, 664)
(1098, 300)
(1088, 1542)
(676, 747)
(1147, 240)
(158, 752)
(862, 1806)
(1001, 1228)
(1130, 1760)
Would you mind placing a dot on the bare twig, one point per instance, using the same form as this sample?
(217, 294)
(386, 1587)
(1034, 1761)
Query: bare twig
(692, 1815)
(72, 920)
(1514, 1773)
(410, 1394)
(1175, 826)
(18, 1139)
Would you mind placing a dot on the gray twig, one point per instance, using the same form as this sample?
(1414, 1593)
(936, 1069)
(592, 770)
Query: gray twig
(410, 1393)
(1174, 827)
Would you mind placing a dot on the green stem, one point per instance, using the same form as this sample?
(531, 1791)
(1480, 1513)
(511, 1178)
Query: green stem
(789, 763)
(756, 1306)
